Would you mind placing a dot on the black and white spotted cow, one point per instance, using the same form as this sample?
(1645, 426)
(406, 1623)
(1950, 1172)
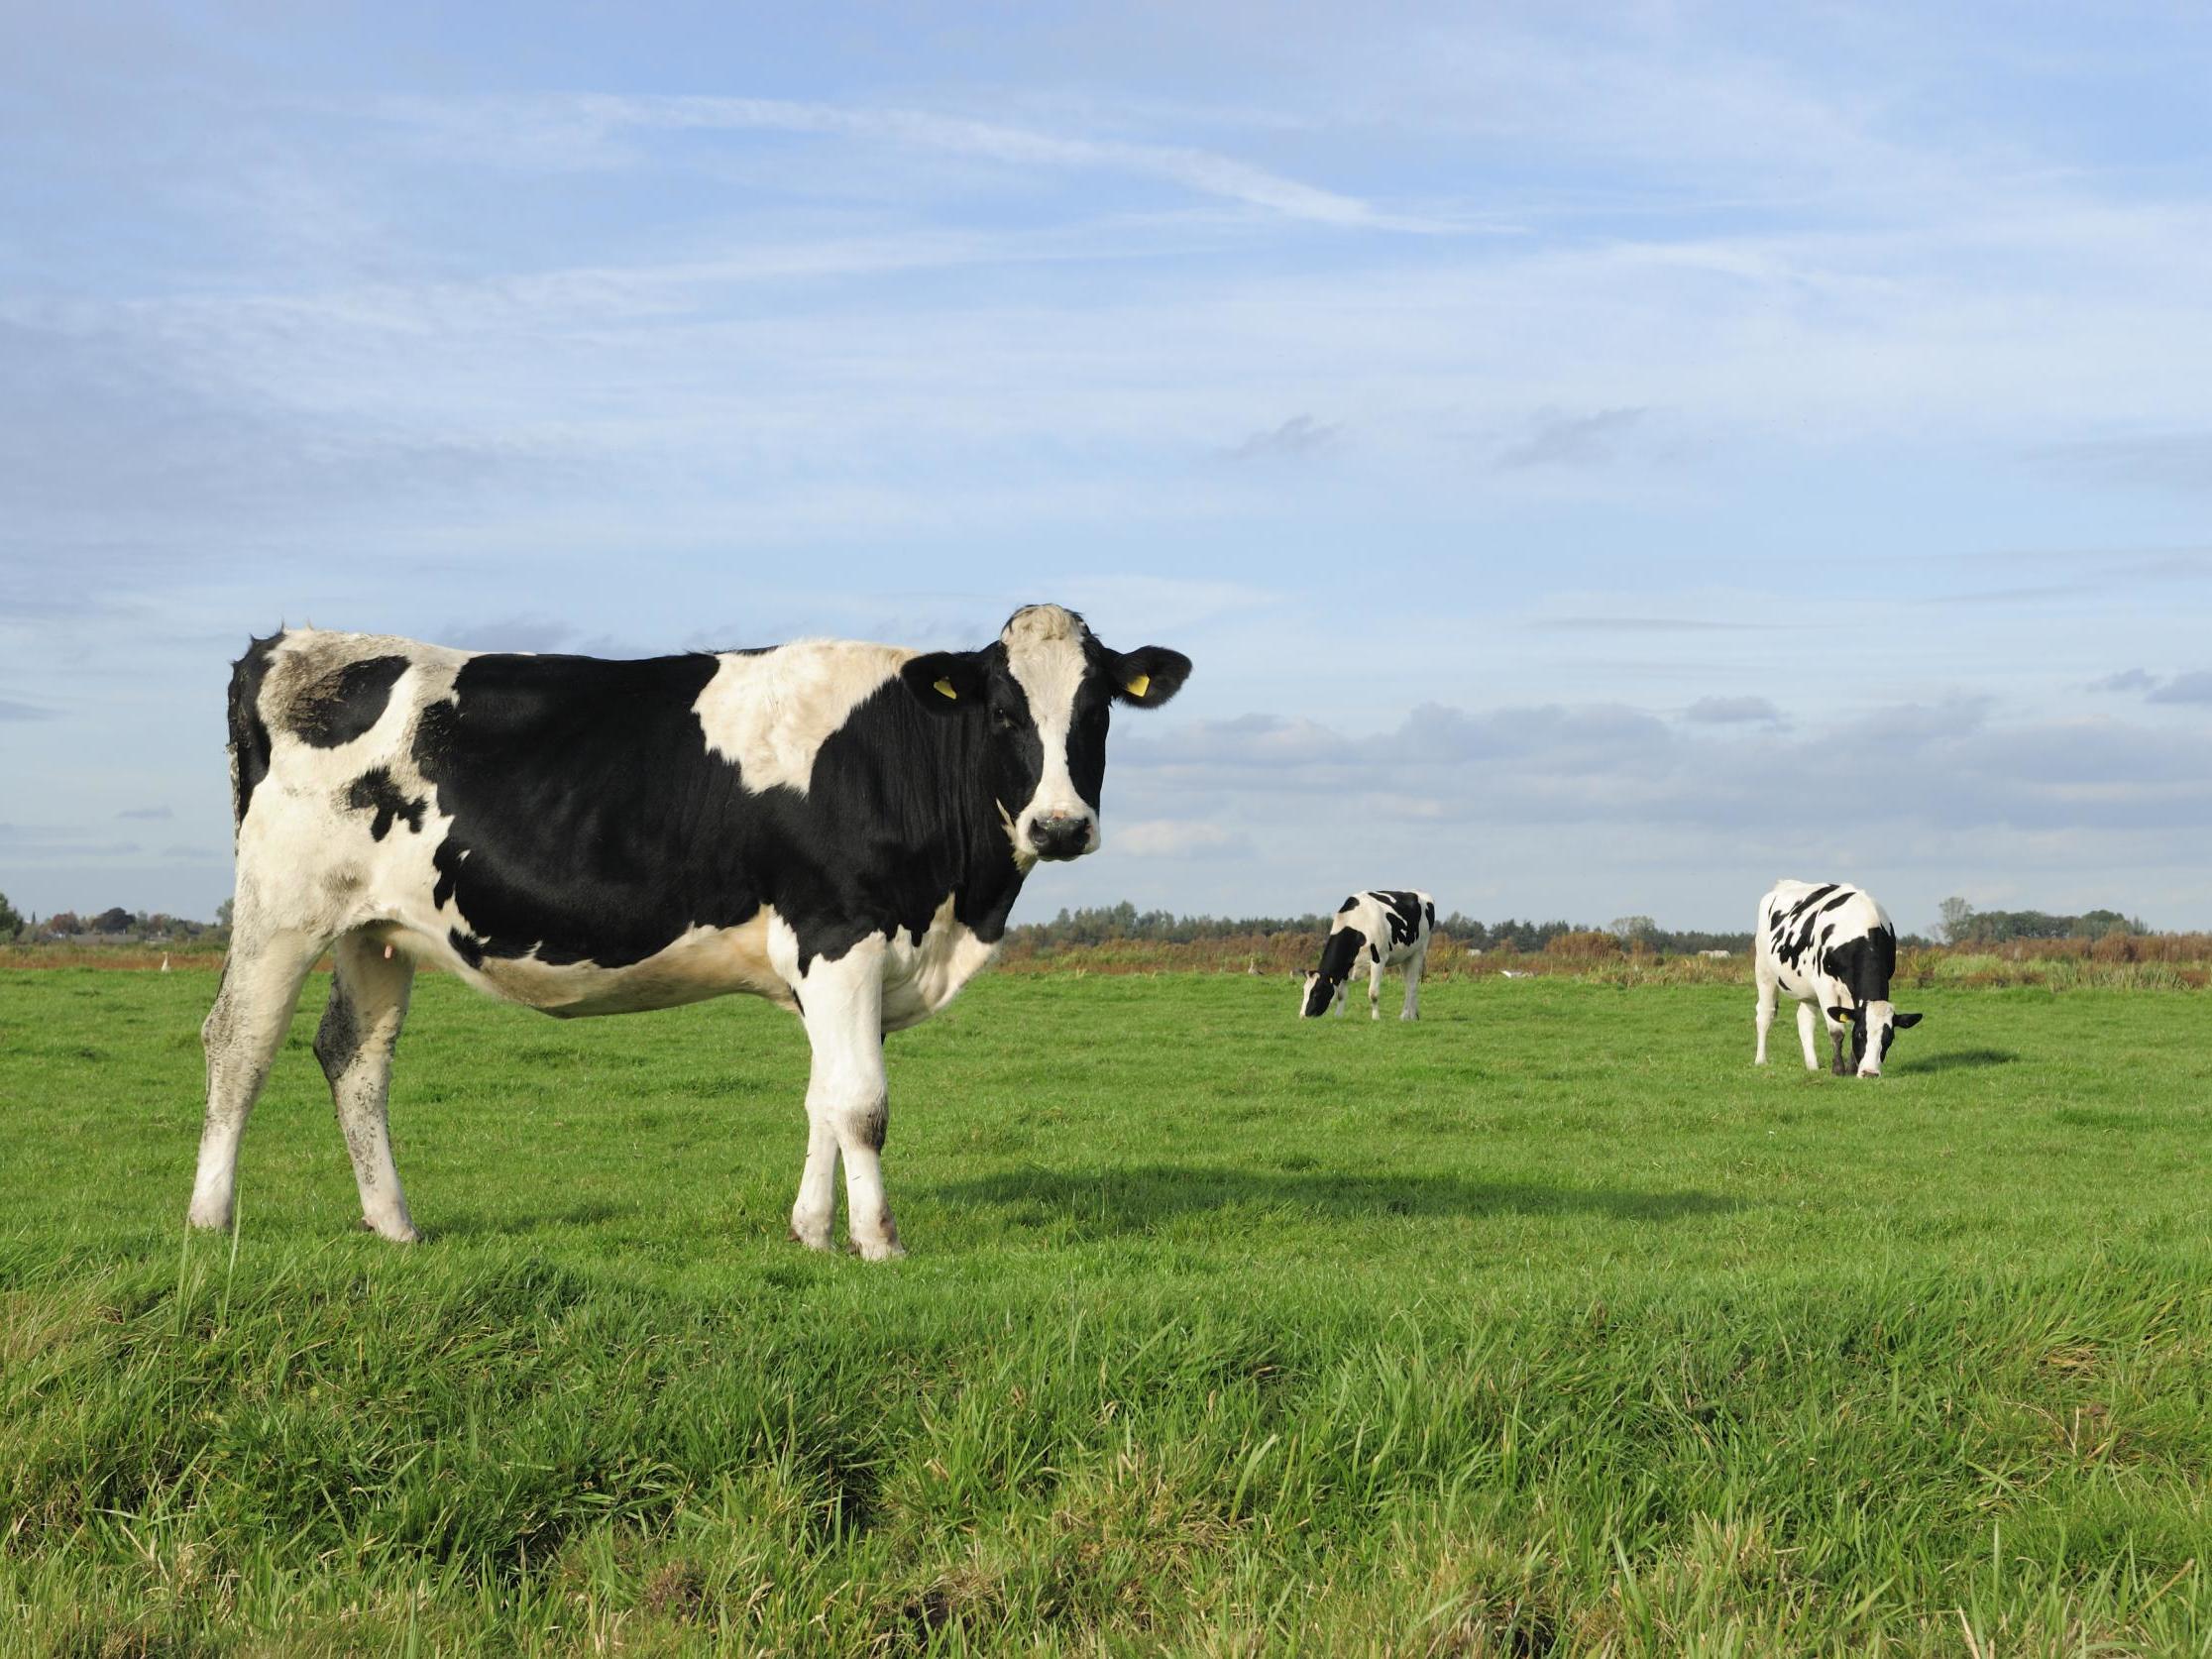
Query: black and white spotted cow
(1376, 929)
(838, 827)
(1832, 949)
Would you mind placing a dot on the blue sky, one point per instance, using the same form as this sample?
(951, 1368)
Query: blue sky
(1600, 458)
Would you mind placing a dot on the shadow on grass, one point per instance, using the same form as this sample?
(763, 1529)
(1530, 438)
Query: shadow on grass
(1958, 1059)
(1133, 1199)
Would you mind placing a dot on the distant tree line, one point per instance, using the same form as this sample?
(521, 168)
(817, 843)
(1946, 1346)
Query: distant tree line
(1111, 923)
(113, 926)
(1962, 924)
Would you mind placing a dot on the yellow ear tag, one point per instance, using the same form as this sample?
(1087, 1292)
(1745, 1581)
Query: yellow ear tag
(946, 686)
(1141, 684)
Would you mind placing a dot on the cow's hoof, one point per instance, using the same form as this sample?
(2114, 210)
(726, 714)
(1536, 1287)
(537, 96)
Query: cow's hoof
(811, 1239)
(207, 1221)
(881, 1250)
(392, 1233)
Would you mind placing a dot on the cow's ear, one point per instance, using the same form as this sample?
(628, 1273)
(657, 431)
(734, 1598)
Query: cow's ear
(1839, 1015)
(1148, 677)
(946, 682)
(1905, 1021)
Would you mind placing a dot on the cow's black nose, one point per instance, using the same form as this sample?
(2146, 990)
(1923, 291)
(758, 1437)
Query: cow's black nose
(1060, 838)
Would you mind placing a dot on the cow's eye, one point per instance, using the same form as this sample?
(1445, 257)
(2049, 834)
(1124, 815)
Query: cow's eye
(1001, 720)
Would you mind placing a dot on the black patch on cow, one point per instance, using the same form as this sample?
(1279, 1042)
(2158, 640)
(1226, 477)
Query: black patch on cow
(1353, 903)
(1403, 913)
(1863, 964)
(375, 791)
(1340, 954)
(248, 732)
(468, 949)
(345, 704)
(1794, 929)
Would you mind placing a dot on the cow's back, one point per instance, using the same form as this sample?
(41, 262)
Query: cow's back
(1393, 923)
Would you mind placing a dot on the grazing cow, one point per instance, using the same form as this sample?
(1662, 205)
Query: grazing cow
(1832, 947)
(838, 827)
(1376, 929)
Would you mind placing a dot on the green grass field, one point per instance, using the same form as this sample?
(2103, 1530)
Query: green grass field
(1545, 1325)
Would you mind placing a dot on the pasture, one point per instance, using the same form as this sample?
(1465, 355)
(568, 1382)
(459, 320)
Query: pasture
(1545, 1325)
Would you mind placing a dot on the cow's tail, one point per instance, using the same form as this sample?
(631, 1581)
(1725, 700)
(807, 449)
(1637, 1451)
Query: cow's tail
(248, 732)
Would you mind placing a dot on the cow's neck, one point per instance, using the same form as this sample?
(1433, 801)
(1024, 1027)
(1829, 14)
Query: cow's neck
(986, 879)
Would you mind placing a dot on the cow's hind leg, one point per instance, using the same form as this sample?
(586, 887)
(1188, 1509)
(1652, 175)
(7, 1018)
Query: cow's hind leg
(1374, 989)
(1413, 965)
(847, 1103)
(368, 1004)
(252, 1010)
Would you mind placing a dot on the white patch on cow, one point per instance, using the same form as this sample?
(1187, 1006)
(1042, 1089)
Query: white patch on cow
(1045, 653)
(1024, 855)
(702, 963)
(306, 859)
(771, 712)
(921, 976)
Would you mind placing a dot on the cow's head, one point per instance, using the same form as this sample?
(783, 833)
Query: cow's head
(1038, 700)
(1317, 993)
(1874, 1027)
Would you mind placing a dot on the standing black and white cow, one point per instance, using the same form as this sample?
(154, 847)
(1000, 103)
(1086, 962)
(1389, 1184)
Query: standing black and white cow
(1382, 928)
(1832, 947)
(838, 827)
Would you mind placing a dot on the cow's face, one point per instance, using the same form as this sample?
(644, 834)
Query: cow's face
(1039, 699)
(1874, 1027)
(1316, 992)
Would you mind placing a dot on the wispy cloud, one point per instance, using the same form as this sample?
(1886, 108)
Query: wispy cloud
(1641, 624)
(2127, 680)
(2185, 687)
(148, 813)
(1733, 710)
(1573, 440)
(10, 710)
(1300, 435)
(2180, 461)
(574, 131)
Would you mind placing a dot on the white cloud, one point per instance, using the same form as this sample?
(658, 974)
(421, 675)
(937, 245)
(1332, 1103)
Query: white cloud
(1162, 837)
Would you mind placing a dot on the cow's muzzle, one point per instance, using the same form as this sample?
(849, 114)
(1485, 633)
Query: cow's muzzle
(1059, 835)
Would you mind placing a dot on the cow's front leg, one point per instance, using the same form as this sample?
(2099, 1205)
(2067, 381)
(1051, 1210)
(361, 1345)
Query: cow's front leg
(1374, 989)
(817, 1203)
(1836, 1034)
(1806, 1021)
(1765, 1016)
(847, 1103)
